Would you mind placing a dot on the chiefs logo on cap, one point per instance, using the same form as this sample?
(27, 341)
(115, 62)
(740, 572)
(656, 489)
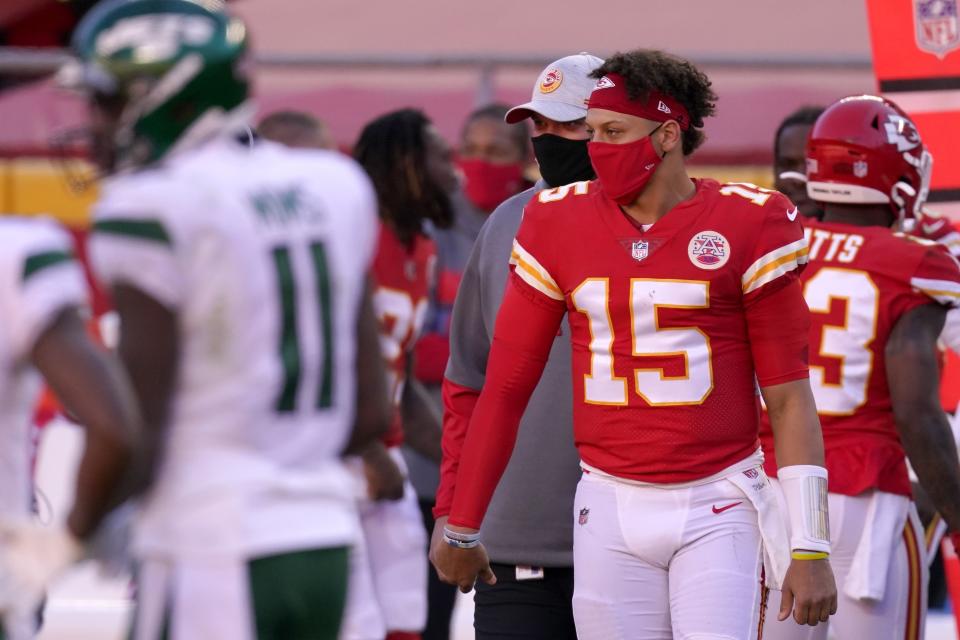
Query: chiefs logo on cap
(551, 81)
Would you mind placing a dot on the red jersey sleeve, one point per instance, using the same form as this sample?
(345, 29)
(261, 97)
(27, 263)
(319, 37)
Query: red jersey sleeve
(940, 230)
(532, 257)
(779, 252)
(522, 339)
(458, 404)
(779, 328)
(938, 276)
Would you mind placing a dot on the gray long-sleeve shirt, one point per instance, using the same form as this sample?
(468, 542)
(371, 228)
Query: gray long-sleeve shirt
(530, 519)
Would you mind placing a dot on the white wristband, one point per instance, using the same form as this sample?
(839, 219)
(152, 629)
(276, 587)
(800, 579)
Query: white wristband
(805, 490)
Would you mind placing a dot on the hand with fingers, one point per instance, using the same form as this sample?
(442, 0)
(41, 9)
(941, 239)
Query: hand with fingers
(458, 563)
(809, 592)
(385, 480)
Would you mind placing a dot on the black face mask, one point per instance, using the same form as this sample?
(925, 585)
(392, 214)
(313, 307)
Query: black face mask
(561, 160)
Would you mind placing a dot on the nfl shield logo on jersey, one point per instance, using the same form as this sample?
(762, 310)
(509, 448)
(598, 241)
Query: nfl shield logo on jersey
(708, 250)
(584, 515)
(860, 168)
(639, 250)
(935, 24)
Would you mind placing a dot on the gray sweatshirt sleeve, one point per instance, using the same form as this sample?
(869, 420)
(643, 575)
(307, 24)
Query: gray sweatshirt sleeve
(469, 338)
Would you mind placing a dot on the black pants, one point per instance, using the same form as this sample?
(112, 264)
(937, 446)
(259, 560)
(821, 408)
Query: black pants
(525, 609)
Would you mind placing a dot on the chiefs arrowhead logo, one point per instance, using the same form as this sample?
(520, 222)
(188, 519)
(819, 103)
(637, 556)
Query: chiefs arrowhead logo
(604, 83)
(901, 132)
(551, 81)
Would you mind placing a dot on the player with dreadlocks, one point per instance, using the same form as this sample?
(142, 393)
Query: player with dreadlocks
(410, 166)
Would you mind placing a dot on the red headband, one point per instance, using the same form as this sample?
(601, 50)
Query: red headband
(611, 93)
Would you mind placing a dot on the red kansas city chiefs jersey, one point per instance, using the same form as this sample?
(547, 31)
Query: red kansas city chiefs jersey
(402, 276)
(663, 367)
(859, 282)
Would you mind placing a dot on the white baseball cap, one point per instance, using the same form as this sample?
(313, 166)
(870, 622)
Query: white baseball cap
(561, 91)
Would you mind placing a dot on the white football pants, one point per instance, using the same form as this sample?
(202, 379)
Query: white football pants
(655, 563)
(388, 568)
(901, 612)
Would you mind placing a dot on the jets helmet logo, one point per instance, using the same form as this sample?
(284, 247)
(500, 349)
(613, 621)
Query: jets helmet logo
(155, 37)
(901, 132)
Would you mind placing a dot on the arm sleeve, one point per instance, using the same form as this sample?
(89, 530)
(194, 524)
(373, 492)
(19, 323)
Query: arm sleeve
(138, 250)
(779, 253)
(469, 340)
(458, 406)
(938, 277)
(779, 329)
(465, 374)
(524, 333)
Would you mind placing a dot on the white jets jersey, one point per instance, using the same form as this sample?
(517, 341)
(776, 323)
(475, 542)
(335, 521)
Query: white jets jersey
(38, 280)
(262, 254)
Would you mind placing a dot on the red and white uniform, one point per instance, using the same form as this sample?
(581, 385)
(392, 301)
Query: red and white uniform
(858, 284)
(388, 579)
(671, 328)
(403, 276)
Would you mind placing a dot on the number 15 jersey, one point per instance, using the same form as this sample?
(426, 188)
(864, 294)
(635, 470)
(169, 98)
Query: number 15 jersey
(664, 367)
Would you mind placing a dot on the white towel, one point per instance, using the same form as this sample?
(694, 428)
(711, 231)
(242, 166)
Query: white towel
(774, 530)
(882, 532)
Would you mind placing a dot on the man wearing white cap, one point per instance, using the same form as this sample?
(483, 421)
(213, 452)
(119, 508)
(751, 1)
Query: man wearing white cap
(527, 531)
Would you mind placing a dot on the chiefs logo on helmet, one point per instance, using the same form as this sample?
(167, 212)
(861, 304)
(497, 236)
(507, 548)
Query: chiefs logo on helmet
(866, 150)
(901, 132)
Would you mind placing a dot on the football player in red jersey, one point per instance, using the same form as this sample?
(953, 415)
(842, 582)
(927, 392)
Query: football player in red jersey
(680, 295)
(789, 157)
(878, 301)
(411, 169)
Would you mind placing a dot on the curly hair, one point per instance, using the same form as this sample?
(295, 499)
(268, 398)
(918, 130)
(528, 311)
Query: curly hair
(393, 150)
(647, 70)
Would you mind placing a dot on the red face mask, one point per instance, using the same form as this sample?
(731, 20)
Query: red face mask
(487, 184)
(624, 169)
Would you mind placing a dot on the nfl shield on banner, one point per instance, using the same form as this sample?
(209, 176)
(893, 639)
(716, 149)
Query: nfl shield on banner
(935, 23)
(639, 250)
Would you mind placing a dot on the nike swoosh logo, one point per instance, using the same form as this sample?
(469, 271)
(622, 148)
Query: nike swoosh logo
(792, 215)
(931, 228)
(724, 508)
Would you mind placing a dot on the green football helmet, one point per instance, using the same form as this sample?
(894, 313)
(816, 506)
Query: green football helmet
(162, 75)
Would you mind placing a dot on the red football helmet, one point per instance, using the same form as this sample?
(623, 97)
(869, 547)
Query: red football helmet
(866, 150)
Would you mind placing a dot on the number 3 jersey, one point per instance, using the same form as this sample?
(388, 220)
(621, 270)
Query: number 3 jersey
(664, 365)
(262, 254)
(860, 281)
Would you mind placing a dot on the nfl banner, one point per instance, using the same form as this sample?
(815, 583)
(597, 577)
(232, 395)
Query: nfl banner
(916, 60)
